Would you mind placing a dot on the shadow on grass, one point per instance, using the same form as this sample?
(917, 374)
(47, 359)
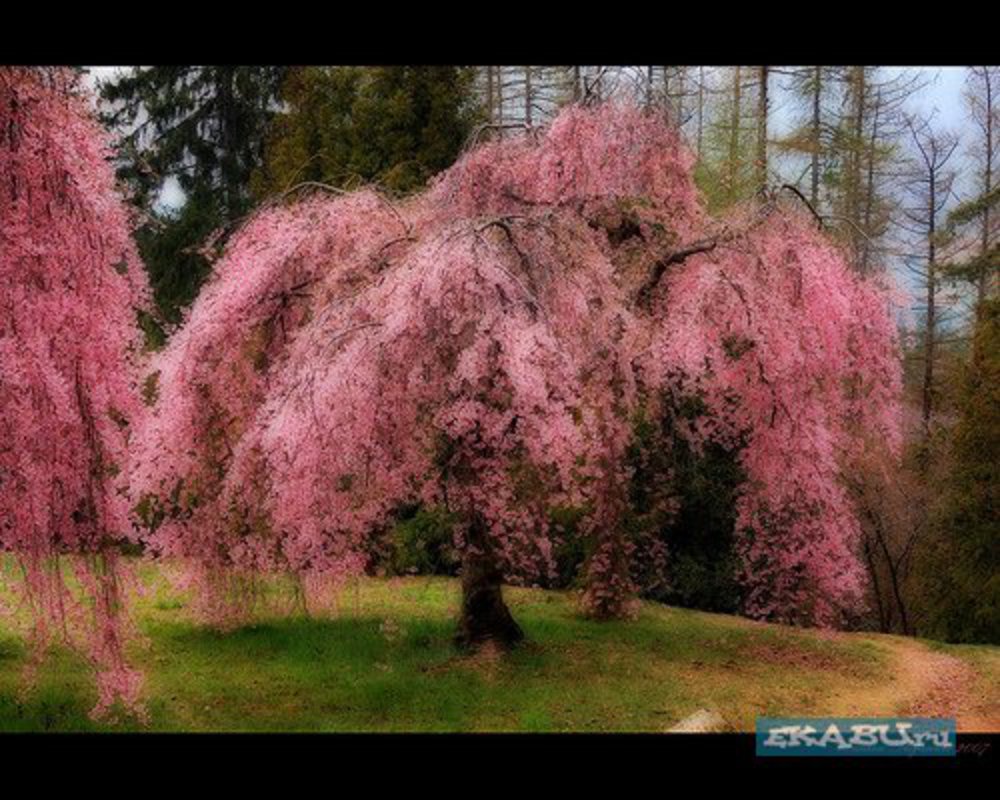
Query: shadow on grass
(377, 673)
(313, 674)
(59, 700)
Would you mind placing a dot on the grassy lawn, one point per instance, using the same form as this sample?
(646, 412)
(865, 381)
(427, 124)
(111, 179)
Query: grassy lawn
(385, 662)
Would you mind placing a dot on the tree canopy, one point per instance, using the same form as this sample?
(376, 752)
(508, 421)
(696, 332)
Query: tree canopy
(203, 127)
(485, 346)
(71, 285)
(396, 126)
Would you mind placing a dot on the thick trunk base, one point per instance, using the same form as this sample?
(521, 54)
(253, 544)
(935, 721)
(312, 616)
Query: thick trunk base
(485, 617)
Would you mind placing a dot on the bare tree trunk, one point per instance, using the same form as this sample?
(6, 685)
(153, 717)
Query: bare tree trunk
(982, 288)
(701, 107)
(500, 117)
(681, 80)
(816, 130)
(883, 624)
(854, 174)
(931, 184)
(225, 101)
(762, 112)
(485, 617)
(489, 95)
(894, 582)
(927, 394)
(527, 96)
(734, 134)
(870, 186)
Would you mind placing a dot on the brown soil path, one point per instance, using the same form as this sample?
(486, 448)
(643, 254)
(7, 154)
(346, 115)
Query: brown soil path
(927, 682)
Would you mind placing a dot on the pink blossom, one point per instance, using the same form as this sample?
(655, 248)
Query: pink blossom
(70, 287)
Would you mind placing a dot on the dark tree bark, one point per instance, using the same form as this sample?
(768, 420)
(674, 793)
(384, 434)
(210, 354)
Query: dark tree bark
(763, 108)
(927, 390)
(701, 109)
(732, 166)
(815, 133)
(883, 623)
(485, 617)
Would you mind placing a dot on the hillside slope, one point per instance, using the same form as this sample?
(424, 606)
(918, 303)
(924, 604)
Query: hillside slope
(384, 662)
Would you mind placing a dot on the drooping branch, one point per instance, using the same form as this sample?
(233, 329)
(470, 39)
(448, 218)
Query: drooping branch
(498, 126)
(728, 234)
(802, 197)
(674, 257)
(476, 362)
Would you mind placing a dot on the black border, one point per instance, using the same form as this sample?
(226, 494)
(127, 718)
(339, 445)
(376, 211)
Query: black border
(773, 33)
(107, 34)
(493, 761)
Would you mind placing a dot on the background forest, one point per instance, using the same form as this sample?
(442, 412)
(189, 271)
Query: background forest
(201, 147)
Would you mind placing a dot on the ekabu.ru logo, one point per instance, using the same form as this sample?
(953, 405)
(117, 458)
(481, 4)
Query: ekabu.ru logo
(855, 736)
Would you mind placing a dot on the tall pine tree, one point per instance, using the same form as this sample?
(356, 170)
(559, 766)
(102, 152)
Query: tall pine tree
(396, 126)
(204, 127)
(965, 584)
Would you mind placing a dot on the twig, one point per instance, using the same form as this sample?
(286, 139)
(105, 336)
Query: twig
(473, 139)
(802, 197)
(675, 257)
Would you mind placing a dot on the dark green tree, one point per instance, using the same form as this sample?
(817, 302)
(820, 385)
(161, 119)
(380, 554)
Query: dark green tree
(682, 510)
(980, 269)
(965, 581)
(204, 127)
(396, 126)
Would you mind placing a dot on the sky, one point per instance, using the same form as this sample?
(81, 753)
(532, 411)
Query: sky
(944, 95)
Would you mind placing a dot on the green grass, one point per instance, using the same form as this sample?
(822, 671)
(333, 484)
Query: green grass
(353, 672)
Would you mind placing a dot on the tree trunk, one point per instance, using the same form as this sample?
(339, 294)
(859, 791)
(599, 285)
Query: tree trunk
(528, 98)
(701, 109)
(485, 617)
(762, 114)
(853, 188)
(489, 95)
(983, 284)
(927, 393)
(681, 80)
(816, 112)
(883, 623)
(500, 115)
(870, 185)
(732, 166)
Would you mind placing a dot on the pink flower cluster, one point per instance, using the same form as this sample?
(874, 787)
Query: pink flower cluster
(70, 288)
(481, 347)
(792, 350)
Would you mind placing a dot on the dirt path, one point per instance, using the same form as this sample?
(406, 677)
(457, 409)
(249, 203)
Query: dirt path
(926, 682)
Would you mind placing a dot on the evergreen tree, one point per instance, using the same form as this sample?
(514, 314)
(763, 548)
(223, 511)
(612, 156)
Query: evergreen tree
(725, 170)
(980, 268)
(812, 90)
(865, 154)
(397, 126)
(965, 584)
(204, 127)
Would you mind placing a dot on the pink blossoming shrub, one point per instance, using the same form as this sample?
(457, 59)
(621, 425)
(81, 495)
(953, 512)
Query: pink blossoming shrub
(585, 159)
(287, 433)
(70, 287)
(484, 348)
(794, 354)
